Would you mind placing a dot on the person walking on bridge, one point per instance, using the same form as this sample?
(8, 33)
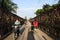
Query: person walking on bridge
(16, 28)
(28, 25)
(35, 24)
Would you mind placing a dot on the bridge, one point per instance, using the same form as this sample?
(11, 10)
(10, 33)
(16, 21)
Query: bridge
(49, 26)
(41, 33)
(27, 34)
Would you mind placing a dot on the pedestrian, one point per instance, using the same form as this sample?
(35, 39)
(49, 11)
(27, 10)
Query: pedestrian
(16, 28)
(28, 25)
(35, 24)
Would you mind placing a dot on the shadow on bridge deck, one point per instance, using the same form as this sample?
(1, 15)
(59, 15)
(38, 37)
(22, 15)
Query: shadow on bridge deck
(30, 36)
(22, 30)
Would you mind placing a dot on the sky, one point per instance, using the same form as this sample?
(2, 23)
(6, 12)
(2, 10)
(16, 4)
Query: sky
(27, 8)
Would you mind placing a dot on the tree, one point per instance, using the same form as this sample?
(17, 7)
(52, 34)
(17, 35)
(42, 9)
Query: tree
(39, 11)
(8, 5)
(59, 2)
(25, 18)
(47, 7)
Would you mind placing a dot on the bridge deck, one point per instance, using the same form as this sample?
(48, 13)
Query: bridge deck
(27, 34)
(37, 35)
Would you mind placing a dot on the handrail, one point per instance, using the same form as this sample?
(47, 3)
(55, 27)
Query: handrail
(6, 35)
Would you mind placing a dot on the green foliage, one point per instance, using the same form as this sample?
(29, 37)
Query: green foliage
(59, 2)
(8, 5)
(46, 7)
(55, 5)
(39, 11)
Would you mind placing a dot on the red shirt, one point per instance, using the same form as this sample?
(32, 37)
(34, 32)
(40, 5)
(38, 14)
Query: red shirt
(35, 24)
